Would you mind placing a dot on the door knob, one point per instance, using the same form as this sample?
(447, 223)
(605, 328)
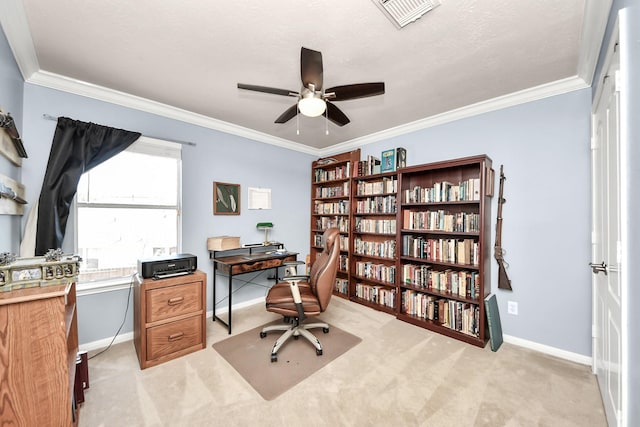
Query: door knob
(597, 268)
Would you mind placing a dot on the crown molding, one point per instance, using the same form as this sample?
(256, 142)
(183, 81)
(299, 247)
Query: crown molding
(594, 27)
(528, 95)
(78, 87)
(16, 27)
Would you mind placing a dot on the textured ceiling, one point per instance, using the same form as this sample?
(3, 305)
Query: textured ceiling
(191, 54)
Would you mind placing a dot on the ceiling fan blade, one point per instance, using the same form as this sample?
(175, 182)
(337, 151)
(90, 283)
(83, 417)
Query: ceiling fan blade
(288, 115)
(266, 89)
(336, 115)
(359, 90)
(311, 68)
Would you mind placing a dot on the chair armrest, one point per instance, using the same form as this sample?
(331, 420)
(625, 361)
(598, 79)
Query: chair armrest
(297, 278)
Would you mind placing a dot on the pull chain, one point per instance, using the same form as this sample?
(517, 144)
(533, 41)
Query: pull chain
(326, 121)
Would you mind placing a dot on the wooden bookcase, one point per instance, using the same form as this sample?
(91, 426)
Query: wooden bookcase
(38, 353)
(444, 233)
(331, 207)
(417, 239)
(373, 278)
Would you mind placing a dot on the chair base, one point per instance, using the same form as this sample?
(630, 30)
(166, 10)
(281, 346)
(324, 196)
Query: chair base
(295, 330)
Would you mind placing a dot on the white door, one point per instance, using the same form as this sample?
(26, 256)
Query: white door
(606, 243)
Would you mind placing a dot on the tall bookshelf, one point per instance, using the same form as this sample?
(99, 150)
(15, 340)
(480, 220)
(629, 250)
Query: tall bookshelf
(443, 237)
(331, 207)
(374, 249)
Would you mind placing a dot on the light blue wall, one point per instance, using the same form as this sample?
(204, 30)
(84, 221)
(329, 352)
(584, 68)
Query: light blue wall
(216, 157)
(544, 147)
(11, 101)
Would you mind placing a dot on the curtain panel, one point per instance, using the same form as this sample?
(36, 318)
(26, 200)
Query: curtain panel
(77, 147)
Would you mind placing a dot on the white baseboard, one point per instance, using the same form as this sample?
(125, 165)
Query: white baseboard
(552, 351)
(128, 336)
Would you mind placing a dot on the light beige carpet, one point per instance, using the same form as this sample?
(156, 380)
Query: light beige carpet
(250, 355)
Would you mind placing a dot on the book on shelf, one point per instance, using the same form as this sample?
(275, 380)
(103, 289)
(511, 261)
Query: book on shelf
(223, 243)
(493, 320)
(401, 158)
(388, 161)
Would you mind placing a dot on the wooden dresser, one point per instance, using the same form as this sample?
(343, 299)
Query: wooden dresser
(169, 317)
(38, 348)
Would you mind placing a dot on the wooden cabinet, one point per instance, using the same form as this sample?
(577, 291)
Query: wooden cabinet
(38, 349)
(169, 317)
(374, 253)
(331, 207)
(444, 233)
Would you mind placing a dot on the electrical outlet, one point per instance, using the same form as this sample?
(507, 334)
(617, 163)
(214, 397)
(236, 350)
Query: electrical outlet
(512, 307)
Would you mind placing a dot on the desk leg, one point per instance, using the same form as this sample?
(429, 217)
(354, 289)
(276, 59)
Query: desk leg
(215, 317)
(213, 292)
(230, 293)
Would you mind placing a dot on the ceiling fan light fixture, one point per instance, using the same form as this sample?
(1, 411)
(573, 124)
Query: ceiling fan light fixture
(312, 106)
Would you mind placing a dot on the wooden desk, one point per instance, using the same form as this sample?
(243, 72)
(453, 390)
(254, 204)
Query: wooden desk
(244, 260)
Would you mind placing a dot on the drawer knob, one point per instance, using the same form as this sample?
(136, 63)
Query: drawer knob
(176, 337)
(175, 301)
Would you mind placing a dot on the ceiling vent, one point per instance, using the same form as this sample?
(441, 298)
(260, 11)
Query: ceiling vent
(403, 12)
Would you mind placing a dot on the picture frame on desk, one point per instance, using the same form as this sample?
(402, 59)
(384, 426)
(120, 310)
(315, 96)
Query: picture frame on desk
(226, 198)
(388, 161)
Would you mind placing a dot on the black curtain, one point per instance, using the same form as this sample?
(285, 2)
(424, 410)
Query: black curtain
(77, 147)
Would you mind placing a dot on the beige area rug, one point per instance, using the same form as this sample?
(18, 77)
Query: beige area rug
(250, 355)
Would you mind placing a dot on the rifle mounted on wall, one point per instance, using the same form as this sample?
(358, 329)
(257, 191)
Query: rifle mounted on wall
(503, 279)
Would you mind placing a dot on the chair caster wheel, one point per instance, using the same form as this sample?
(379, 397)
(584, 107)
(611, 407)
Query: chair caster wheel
(263, 334)
(295, 337)
(325, 330)
(318, 352)
(274, 358)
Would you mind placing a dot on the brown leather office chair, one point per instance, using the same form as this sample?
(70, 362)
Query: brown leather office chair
(300, 297)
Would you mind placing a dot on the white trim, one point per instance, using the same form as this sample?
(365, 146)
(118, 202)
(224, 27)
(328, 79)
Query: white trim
(594, 26)
(14, 22)
(552, 351)
(78, 87)
(528, 95)
(100, 344)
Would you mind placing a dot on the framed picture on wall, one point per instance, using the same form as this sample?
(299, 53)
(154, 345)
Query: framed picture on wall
(226, 198)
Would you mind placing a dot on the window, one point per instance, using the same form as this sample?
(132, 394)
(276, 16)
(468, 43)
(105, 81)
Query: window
(129, 208)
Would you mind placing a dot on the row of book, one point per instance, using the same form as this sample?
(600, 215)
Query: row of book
(343, 263)
(377, 204)
(331, 174)
(335, 191)
(444, 192)
(463, 283)
(325, 222)
(370, 166)
(386, 249)
(379, 226)
(459, 316)
(377, 294)
(441, 220)
(329, 208)
(454, 251)
(380, 272)
(342, 286)
(384, 186)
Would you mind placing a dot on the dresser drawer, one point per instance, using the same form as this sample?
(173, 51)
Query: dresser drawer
(173, 337)
(171, 301)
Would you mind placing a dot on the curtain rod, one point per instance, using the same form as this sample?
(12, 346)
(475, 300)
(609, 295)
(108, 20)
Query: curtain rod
(193, 144)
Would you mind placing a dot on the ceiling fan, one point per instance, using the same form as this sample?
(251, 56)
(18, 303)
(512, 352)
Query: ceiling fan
(313, 100)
